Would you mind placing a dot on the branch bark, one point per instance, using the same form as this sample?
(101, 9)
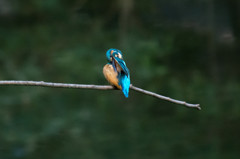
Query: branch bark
(99, 87)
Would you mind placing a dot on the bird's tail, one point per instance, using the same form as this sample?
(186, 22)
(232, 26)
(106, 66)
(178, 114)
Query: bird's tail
(125, 83)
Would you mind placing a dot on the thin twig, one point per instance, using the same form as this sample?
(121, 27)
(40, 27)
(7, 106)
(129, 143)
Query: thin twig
(90, 86)
(165, 98)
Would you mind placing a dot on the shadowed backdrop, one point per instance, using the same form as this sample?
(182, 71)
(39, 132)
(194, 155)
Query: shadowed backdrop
(187, 50)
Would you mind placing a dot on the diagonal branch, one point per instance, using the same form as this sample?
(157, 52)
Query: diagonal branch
(165, 98)
(100, 87)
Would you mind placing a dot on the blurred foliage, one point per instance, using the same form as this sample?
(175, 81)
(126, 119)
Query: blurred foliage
(187, 50)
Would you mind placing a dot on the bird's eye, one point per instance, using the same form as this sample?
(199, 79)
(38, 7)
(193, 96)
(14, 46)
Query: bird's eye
(116, 55)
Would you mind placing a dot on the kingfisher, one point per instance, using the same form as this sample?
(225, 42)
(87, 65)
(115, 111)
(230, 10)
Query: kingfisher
(116, 71)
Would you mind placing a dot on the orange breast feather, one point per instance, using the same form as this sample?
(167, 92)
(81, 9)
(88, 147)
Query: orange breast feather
(111, 75)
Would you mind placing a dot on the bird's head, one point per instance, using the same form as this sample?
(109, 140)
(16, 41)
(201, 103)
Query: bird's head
(112, 53)
(115, 57)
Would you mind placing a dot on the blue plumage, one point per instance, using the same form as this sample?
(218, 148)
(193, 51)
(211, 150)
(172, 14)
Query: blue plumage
(123, 65)
(115, 59)
(124, 81)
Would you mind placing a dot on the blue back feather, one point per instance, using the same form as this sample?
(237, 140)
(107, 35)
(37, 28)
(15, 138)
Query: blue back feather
(122, 65)
(124, 81)
(123, 77)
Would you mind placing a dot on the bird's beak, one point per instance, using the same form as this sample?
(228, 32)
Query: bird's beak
(114, 63)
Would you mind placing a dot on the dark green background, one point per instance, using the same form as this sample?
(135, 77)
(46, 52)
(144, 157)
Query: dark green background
(188, 50)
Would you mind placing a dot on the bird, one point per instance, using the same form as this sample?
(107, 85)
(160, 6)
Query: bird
(116, 71)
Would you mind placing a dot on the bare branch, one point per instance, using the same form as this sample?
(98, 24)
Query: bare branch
(59, 85)
(165, 98)
(100, 87)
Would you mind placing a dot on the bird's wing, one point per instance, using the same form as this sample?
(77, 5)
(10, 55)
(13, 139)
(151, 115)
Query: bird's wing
(123, 65)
